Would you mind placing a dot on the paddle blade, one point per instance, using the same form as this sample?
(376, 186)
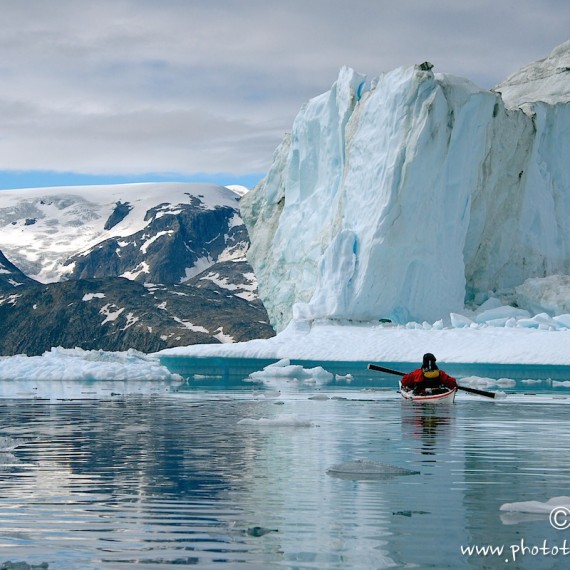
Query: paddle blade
(479, 392)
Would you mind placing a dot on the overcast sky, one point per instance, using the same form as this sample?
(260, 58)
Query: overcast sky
(204, 89)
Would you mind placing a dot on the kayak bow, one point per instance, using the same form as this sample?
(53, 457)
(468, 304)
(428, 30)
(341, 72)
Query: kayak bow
(430, 396)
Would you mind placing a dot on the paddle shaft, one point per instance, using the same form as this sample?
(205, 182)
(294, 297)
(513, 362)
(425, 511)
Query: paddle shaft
(387, 370)
(398, 373)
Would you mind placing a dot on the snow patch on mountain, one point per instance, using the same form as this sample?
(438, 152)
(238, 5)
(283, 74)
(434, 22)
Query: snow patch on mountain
(245, 290)
(91, 296)
(201, 264)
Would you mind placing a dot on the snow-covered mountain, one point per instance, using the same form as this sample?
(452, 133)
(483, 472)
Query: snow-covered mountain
(160, 233)
(409, 196)
(144, 266)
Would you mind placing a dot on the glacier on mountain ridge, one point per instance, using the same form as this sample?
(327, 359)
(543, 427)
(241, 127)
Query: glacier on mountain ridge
(149, 232)
(410, 196)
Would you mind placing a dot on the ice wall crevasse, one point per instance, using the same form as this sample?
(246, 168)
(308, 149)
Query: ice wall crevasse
(519, 227)
(405, 199)
(337, 266)
(408, 174)
(285, 212)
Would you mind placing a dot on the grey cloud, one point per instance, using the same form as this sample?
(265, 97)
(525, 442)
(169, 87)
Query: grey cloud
(132, 142)
(189, 85)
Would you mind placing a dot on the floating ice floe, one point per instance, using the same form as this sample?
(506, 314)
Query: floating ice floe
(484, 383)
(506, 317)
(362, 469)
(7, 446)
(266, 394)
(525, 511)
(329, 340)
(536, 507)
(284, 369)
(285, 420)
(78, 364)
(76, 373)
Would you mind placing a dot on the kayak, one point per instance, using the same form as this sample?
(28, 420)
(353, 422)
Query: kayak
(450, 397)
(430, 395)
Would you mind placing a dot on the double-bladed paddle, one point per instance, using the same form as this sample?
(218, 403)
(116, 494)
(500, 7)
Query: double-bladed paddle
(464, 388)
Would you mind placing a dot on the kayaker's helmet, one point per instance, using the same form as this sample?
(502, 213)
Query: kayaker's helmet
(429, 367)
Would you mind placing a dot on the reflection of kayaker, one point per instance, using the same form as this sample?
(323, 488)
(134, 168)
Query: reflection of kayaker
(432, 425)
(428, 381)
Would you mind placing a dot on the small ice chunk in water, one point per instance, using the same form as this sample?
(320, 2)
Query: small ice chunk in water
(362, 469)
(536, 506)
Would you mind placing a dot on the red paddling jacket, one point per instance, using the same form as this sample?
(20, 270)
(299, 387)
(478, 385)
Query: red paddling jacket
(416, 379)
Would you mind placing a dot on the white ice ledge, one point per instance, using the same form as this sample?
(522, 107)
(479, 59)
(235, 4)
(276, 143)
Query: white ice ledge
(376, 342)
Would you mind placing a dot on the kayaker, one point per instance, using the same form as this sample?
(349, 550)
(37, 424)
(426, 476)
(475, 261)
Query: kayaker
(428, 376)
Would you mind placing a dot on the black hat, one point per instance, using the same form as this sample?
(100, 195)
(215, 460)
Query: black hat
(429, 362)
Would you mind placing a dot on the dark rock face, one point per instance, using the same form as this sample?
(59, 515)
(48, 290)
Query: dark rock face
(168, 284)
(166, 250)
(116, 314)
(11, 277)
(120, 212)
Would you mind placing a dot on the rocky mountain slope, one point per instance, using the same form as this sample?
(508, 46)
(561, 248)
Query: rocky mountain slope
(10, 276)
(135, 266)
(115, 314)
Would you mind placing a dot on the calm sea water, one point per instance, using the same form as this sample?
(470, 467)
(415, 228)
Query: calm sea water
(155, 481)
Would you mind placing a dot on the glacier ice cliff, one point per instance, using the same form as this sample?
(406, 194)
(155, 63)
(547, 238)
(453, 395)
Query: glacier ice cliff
(410, 196)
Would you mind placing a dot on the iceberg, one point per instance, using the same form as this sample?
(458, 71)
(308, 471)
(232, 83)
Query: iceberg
(88, 365)
(284, 369)
(414, 196)
(77, 373)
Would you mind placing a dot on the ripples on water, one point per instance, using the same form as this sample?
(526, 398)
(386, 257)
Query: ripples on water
(152, 482)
